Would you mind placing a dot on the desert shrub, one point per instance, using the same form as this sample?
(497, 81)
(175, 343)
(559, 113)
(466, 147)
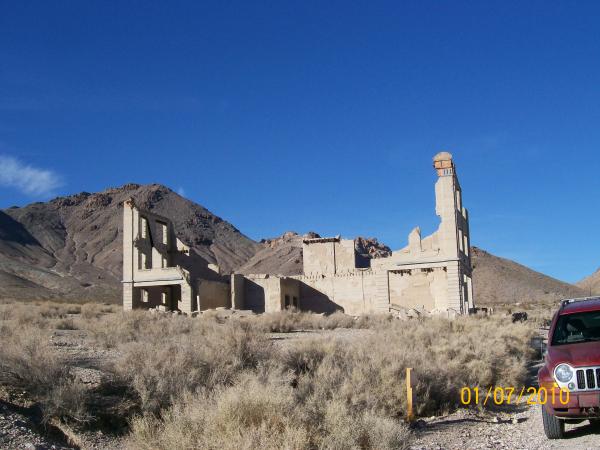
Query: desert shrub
(72, 309)
(343, 428)
(165, 357)
(39, 314)
(113, 329)
(332, 393)
(445, 356)
(30, 315)
(249, 414)
(212, 315)
(337, 320)
(91, 311)
(107, 308)
(221, 383)
(50, 311)
(374, 321)
(304, 357)
(163, 366)
(294, 320)
(280, 321)
(261, 411)
(6, 311)
(28, 362)
(64, 324)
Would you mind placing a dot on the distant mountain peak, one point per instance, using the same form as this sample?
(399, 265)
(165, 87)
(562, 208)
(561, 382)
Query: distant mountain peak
(591, 284)
(71, 247)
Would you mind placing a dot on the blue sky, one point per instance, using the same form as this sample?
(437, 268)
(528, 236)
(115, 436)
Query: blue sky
(314, 115)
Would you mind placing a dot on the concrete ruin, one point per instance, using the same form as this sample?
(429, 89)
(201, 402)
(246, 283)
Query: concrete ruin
(160, 272)
(431, 274)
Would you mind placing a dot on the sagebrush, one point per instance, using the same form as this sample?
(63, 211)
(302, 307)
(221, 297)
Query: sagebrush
(210, 382)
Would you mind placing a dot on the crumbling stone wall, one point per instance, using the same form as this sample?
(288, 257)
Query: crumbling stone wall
(159, 271)
(429, 274)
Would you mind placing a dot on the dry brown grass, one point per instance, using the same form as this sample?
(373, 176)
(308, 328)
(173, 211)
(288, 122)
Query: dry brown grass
(344, 394)
(203, 383)
(47, 315)
(262, 411)
(112, 330)
(538, 314)
(29, 362)
(180, 359)
(292, 320)
(445, 356)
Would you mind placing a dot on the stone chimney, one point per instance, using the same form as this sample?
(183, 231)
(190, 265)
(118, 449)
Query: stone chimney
(443, 164)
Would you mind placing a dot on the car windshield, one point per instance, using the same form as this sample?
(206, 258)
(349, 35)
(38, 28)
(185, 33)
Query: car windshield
(577, 327)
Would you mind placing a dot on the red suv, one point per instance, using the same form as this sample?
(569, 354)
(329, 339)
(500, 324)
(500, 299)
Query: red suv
(572, 364)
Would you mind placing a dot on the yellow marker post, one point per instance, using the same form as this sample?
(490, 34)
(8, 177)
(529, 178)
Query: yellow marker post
(409, 396)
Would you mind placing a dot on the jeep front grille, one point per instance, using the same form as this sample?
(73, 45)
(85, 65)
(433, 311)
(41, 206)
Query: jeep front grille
(580, 380)
(588, 378)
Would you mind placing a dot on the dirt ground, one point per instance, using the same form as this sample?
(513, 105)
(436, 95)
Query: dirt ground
(519, 428)
(469, 430)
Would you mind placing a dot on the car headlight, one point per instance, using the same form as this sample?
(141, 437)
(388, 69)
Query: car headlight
(563, 373)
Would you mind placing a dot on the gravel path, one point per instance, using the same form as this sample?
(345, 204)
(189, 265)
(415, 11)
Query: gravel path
(469, 430)
(17, 431)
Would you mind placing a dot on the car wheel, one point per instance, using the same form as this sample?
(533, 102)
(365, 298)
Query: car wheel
(595, 422)
(553, 427)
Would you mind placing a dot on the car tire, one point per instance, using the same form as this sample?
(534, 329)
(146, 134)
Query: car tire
(553, 427)
(595, 422)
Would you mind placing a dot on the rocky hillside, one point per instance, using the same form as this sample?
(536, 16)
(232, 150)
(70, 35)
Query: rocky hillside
(498, 280)
(71, 247)
(283, 255)
(591, 284)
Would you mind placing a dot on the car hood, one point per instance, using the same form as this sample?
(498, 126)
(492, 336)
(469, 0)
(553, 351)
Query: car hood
(576, 355)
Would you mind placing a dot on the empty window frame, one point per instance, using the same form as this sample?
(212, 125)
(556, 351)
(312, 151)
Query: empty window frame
(164, 232)
(143, 227)
(145, 296)
(287, 301)
(142, 261)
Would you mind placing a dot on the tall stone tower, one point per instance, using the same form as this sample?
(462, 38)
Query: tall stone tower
(453, 233)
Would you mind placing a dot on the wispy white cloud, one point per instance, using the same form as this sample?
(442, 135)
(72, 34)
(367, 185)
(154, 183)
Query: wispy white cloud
(28, 179)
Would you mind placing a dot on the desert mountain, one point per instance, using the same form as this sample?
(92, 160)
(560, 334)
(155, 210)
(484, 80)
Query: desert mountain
(500, 280)
(591, 284)
(70, 247)
(283, 255)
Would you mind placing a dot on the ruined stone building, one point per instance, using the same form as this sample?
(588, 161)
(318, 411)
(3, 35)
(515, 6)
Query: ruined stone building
(430, 274)
(160, 272)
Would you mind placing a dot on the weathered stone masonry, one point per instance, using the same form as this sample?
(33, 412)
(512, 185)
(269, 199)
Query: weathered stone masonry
(160, 272)
(430, 274)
